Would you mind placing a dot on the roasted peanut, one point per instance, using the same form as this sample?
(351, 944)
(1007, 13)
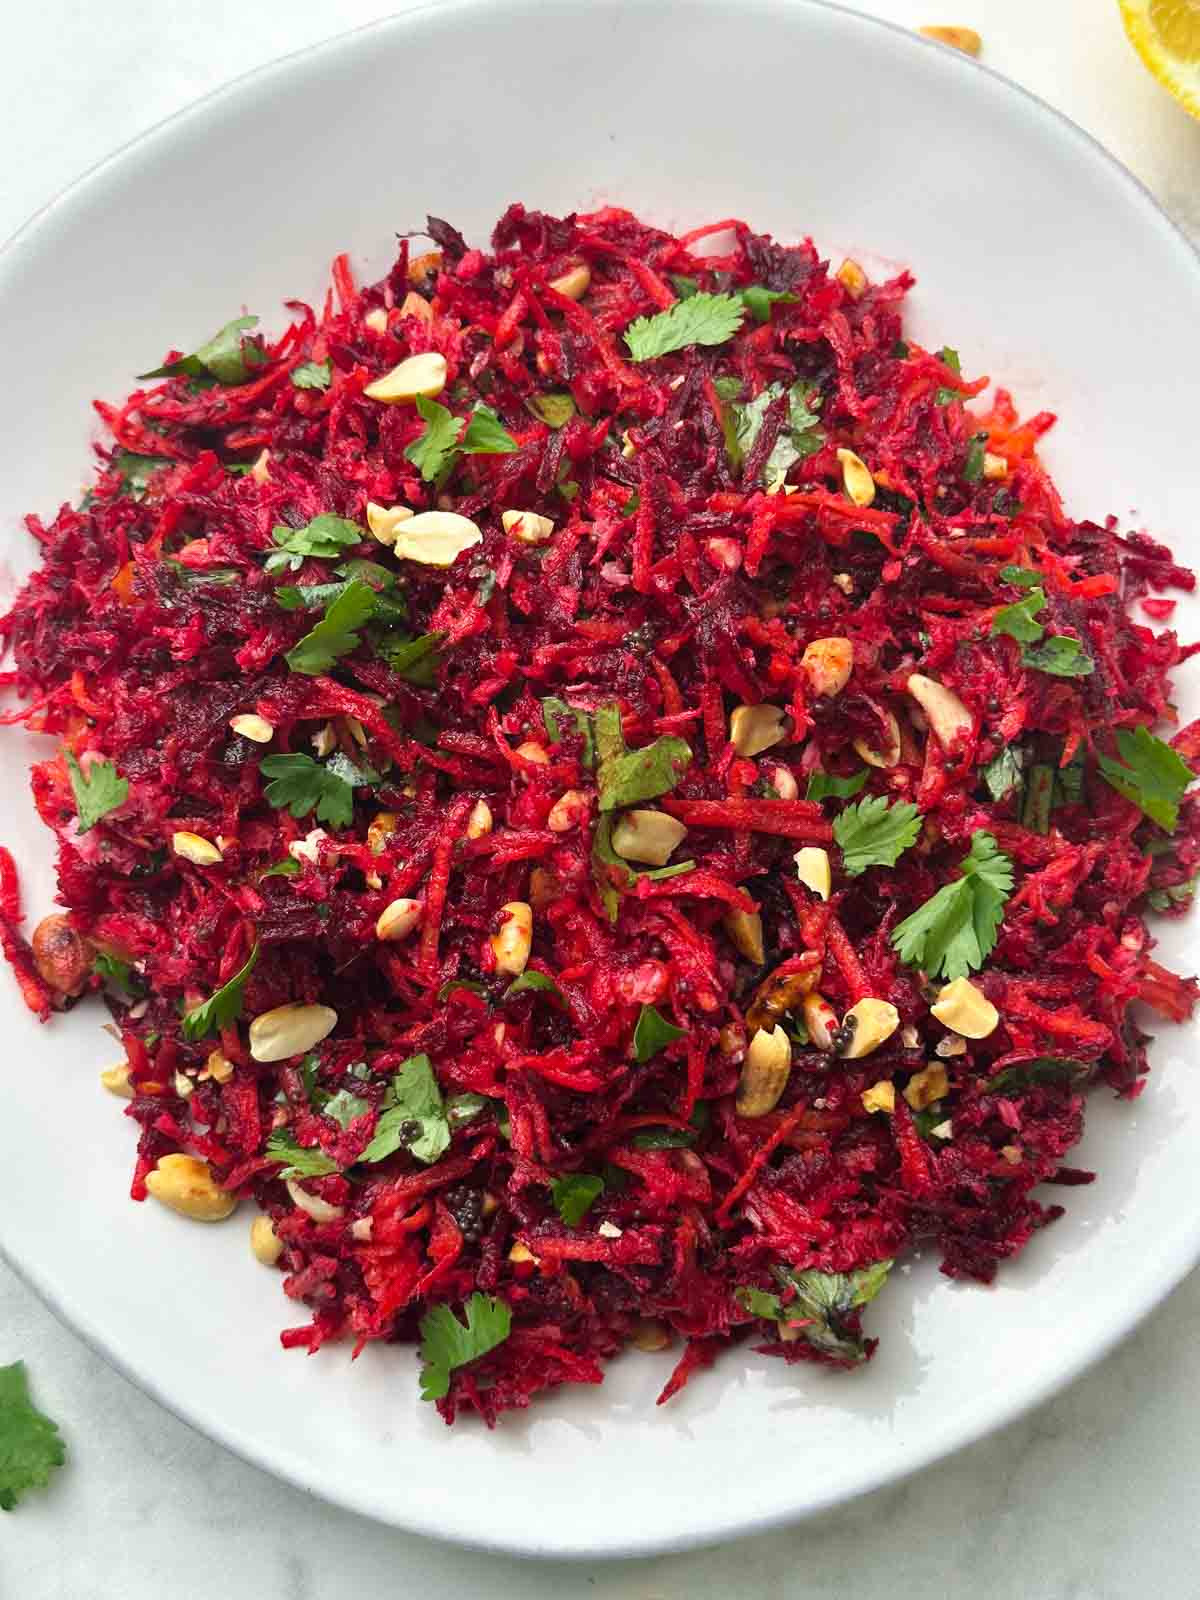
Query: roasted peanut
(62, 956)
(765, 1073)
(780, 993)
(186, 1184)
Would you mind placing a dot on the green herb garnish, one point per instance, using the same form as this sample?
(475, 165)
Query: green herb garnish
(653, 1033)
(299, 1160)
(447, 1344)
(225, 359)
(875, 834)
(700, 319)
(97, 792)
(1149, 773)
(955, 930)
(303, 785)
(221, 1008)
(412, 1097)
(574, 1195)
(30, 1445)
(313, 375)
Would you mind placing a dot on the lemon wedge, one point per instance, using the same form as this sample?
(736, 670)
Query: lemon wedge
(1166, 34)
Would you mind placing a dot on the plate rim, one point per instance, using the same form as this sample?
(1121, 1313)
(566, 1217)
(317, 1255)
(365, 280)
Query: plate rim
(1183, 1253)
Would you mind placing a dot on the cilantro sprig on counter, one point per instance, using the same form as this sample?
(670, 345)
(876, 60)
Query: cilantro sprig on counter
(97, 791)
(875, 834)
(446, 1344)
(1149, 773)
(955, 930)
(30, 1445)
(700, 319)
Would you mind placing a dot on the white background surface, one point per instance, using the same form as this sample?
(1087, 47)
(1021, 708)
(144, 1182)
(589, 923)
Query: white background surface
(1092, 1497)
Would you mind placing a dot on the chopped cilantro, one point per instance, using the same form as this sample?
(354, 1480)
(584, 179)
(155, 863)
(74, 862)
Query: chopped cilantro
(136, 470)
(345, 1107)
(626, 778)
(1004, 772)
(335, 635)
(758, 300)
(97, 792)
(536, 982)
(653, 1033)
(447, 1344)
(224, 359)
(873, 833)
(823, 1303)
(221, 1008)
(955, 930)
(700, 319)
(313, 375)
(412, 1097)
(432, 451)
(325, 538)
(299, 1161)
(826, 786)
(303, 785)
(485, 435)
(574, 1195)
(1149, 773)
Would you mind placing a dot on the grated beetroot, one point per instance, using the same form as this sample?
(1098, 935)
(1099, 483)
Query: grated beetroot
(702, 538)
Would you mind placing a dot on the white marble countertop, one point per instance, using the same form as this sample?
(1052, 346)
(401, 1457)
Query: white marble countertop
(1090, 1498)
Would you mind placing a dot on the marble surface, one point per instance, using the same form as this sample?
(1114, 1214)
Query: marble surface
(1089, 1498)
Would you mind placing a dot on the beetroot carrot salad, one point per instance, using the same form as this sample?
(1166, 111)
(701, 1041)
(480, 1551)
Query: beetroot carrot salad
(604, 797)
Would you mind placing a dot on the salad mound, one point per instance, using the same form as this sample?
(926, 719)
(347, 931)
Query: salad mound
(605, 794)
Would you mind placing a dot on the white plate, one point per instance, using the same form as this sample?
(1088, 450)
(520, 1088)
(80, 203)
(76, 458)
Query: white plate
(1039, 258)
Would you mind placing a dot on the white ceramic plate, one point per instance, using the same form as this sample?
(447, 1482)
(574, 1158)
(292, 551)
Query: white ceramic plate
(1038, 257)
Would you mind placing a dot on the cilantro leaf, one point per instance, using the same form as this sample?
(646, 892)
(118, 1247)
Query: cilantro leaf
(1021, 577)
(555, 712)
(826, 786)
(412, 1097)
(955, 930)
(447, 1344)
(973, 465)
(1149, 773)
(759, 1303)
(313, 375)
(302, 785)
(1005, 772)
(1061, 655)
(335, 634)
(221, 1008)
(30, 1446)
(653, 1033)
(663, 1139)
(824, 1302)
(344, 1107)
(464, 1108)
(799, 439)
(300, 1161)
(326, 538)
(136, 470)
(432, 451)
(684, 287)
(486, 435)
(555, 410)
(1018, 620)
(97, 792)
(414, 659)
(575, 1194)
(224, 358)
(532, 981)
(118, 972)
(287, 868)
(1039, 1070)
(636, 775)
(758, 300)
(874, 833)
(609, 869)
(950, 358)
(700, 319)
